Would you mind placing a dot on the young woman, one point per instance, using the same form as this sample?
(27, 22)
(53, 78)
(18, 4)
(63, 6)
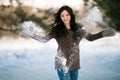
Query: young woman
(68, 35)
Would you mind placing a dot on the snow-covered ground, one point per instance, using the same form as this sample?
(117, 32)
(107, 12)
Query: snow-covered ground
(27, 59)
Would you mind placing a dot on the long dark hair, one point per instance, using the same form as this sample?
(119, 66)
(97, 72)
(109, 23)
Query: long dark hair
(58, 26)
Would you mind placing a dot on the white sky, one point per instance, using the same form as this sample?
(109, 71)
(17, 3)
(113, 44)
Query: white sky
(46, 3)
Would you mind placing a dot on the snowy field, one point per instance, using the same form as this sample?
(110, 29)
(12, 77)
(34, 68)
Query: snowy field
(31, 60)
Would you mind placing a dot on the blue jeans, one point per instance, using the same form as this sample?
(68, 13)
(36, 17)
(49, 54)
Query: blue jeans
(70, 75)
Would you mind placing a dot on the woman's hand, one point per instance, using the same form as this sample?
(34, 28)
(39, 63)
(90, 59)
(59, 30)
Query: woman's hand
(108, 32)
(26, 33)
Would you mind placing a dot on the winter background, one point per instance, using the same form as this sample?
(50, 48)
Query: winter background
(28, 59)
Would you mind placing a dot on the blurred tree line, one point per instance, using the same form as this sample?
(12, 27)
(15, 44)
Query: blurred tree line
(11, 16)
(110, 10)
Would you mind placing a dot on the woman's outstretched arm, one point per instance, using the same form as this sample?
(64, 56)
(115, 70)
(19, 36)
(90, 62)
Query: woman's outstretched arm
(105, 33)
(42, 37)
(91, 37)
(31, 30)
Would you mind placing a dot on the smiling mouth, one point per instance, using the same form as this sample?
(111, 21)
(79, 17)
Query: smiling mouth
(66, 20)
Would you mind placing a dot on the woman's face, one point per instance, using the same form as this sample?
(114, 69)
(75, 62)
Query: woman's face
(65, 17)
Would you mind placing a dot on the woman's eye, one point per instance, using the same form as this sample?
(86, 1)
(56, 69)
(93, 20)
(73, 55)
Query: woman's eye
(67, 15)
(62, 16)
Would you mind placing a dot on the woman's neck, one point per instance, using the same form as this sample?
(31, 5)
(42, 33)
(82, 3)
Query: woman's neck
(67, 26)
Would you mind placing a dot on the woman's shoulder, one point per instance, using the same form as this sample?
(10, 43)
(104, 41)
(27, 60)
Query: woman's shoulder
(80, 25)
